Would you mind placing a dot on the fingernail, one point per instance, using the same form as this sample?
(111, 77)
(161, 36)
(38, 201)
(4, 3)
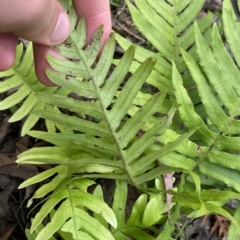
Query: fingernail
(62, 29)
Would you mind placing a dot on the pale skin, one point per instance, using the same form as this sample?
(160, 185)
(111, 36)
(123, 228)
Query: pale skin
(38, 21)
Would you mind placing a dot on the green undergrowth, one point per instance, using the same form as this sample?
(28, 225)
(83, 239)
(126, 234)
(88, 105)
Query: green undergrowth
(177, 142)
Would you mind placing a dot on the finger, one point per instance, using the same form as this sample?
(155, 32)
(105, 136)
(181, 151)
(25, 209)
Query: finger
(96, 13)
(40, 21)
(8, 43)
(41, 64)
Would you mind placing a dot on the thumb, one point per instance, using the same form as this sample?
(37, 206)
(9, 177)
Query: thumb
(40, 21)
(96, 13)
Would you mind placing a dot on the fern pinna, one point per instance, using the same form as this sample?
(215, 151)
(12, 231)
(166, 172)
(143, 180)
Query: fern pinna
(102, 125)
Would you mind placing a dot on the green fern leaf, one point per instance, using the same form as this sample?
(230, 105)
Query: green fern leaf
(15, 98)
(137, 233)
(132, 126)
(108, 134)
(202, 208)
(111, 134)
(75, 196)
(81, 220)
(216, 75)
(49, 187)
(231, 29)
(154, 173)
(217, 136)
(99, 193)
(172, 22)
(26, 107)
(119, 202)
(136, 216)
(224, 60)
(211, 103)
(143, 163)
(129, 92)
(220, 173)
(23, 83)
(187, 148)
(169, 227)
(218, 196)
(146, 212)
(234, 232)
(152, 211)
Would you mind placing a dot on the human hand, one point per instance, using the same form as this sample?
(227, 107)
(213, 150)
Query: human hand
(45, 23)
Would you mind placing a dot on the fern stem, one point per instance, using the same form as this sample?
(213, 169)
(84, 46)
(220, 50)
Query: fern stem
(92, 78)
(73, 214)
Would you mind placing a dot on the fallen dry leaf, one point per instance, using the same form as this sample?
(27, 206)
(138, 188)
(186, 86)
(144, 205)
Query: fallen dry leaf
(7, 159)
(221, 225)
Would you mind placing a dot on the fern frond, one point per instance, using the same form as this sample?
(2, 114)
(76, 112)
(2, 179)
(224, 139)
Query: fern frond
(73, 197)
(172, 22)
(146, 212)
(111, 134)
(23, 86)
(217, 136)
(98, 139)
(110, 129)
